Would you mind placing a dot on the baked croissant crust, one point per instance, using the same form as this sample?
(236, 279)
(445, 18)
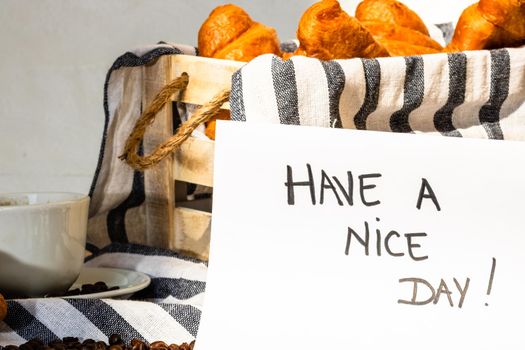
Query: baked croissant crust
(222, 114)
(508, 15)
(3, 308)
(257, 40)
(383, 31)
(327, 32)
(474, 32)
(390, 12)
(230, 33)
(402, 48)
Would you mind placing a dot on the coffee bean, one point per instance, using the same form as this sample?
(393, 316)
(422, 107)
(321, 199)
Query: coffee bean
(72, 292)
(115, 339)
(58, 346)
(89, 346)
(11, 347)
(100, 345)
(137, 344)
(36, 341)
(35, 344)
(67, 340)
(136, 341)
(101, 284)
(88, 289)
(159, 345)
(116, 347)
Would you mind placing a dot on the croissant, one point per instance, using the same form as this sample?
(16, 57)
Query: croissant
(402, 48)
(474, 30)
(327, 32)
(230, 33)
(3, 308)
(386, 32)
(223, 114)
(508, 15)
(391, 13)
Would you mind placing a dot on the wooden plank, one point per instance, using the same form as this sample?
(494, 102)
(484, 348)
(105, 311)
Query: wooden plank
(208, 76)
(158, 180)
(201, 204)
(194, 162)
(193, 229)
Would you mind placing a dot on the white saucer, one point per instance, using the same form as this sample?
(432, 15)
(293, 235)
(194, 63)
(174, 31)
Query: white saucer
(128, 282)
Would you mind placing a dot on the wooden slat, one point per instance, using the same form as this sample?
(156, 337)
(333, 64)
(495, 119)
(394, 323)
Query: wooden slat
(201, 204)
(208, 76)
(193, 232)
(194, 162)
(158, 180)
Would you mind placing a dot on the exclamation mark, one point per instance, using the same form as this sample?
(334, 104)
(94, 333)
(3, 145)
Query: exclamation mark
(492, 271)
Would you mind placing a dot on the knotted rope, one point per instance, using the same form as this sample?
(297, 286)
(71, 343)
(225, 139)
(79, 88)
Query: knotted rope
(201, 115)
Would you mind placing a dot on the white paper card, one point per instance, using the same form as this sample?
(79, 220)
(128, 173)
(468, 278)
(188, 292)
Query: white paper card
(440, 267)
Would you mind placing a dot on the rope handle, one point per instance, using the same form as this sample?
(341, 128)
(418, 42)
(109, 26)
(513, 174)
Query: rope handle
(201, 115)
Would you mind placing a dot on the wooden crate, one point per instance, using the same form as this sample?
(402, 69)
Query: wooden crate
(189, 222)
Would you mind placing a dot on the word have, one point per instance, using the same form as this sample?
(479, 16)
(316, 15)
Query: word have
(326, 184)
(435, 293)
(344, 194)
(381, 242)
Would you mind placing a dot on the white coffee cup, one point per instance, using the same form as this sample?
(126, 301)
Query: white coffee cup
(42, 242)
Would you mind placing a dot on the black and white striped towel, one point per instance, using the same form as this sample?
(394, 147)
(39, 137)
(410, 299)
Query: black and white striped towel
(169, 309)
(117, 211)
(472, 94)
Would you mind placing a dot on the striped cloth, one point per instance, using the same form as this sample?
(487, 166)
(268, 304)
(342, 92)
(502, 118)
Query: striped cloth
(117, 211)
(469, 94)
(168, 309)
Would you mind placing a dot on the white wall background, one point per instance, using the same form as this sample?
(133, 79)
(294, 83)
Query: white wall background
(54, 55)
